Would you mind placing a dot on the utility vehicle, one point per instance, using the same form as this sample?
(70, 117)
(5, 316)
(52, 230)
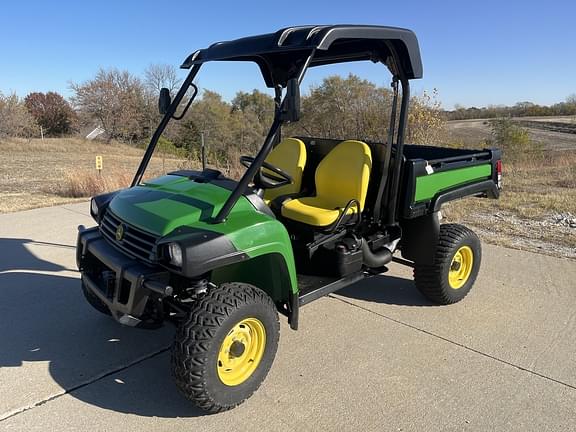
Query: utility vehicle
(309, 216)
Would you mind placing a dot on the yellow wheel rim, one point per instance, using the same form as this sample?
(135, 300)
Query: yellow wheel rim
(461, 267)
(241, 351)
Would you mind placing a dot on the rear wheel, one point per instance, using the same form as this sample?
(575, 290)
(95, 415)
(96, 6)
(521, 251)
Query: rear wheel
(94, 301)
(456, 265)
(226, 346)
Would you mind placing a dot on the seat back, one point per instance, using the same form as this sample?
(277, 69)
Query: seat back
(290, 156)
(344, 174)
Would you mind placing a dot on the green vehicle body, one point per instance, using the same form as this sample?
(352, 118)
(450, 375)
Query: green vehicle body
(168, 203)
(428, 186)
(218, 258)
(226, 232)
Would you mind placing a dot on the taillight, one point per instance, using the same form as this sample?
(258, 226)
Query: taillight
(499, 174)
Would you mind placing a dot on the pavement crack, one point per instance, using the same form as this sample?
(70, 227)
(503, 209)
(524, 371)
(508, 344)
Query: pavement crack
(93, 380)
(458, 344)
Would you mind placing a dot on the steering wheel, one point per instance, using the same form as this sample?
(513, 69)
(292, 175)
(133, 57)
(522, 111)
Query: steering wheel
(266, 180)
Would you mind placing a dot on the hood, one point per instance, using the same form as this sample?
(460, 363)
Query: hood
(161, 205)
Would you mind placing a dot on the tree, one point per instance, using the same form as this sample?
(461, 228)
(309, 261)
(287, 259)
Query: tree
(514, 140)
(15, 120)
(215, 118)
(256, 102)
(425, 119)
(51, 111)
(187, 136)
(118, 101)
(341, 108)
(157, 76)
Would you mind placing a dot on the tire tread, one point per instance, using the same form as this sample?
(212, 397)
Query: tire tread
(429, 278)
(195, 336)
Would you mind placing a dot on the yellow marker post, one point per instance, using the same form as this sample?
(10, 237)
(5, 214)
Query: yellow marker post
(99, 164)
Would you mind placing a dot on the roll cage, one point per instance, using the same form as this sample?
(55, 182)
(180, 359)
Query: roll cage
(286, 55)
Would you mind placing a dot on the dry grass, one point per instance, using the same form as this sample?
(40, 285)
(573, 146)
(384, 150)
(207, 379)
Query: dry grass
(537, 189)
(473, 133)
(538, 194)
(78, 184)
(36, 173)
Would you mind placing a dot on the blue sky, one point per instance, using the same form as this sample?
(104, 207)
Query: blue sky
(474, 53)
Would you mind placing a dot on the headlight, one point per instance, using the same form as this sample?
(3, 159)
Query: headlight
(94, 208)
(175, 254)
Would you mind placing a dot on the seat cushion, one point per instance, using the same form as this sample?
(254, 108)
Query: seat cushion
(312, 211)
(290, 156)
(342, 176)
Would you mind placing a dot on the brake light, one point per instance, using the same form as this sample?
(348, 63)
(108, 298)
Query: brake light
(499, 173)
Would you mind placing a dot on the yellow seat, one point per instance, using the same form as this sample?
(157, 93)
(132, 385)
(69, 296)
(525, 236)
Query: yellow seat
(342, 176)
(290, 156)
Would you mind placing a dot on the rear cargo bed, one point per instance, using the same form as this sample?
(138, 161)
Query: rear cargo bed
(434, 175)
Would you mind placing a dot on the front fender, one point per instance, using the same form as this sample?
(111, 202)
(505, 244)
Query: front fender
(268, 238)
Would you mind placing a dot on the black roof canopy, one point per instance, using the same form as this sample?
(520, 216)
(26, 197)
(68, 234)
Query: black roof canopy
(281, 55)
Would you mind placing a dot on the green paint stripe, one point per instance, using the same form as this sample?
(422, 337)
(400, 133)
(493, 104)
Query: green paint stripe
(428, 186)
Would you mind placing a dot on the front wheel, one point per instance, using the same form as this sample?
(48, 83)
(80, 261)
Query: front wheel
(224, 349)
(456, 265)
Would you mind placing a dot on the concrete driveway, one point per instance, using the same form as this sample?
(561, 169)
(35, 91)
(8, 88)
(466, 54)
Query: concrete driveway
(376, 356)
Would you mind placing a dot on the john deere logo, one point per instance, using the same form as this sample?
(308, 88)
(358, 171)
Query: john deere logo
(120, 232)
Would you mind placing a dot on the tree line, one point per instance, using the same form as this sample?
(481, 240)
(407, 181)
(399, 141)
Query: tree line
(125, 106)
(521, 109)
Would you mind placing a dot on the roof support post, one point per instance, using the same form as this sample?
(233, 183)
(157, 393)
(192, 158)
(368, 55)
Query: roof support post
(169, 114)
(260, 157)
(388, 151)
(395, 184)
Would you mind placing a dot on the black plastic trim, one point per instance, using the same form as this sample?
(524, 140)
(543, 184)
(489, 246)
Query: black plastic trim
(276, 52)
(91, 245)
(202, 251)
(293, 310)
(102, 202)
(419, 238)
(487, 187)
(322, 291)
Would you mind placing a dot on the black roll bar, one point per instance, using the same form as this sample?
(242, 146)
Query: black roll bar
(395, 184)
(260, 157)
(163, 123)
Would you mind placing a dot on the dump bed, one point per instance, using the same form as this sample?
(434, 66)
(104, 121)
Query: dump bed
(432, 176)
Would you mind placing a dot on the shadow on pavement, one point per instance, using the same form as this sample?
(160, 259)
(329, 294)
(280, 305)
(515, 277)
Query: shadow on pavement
(15, 256)
(44, 318)
(386, 289)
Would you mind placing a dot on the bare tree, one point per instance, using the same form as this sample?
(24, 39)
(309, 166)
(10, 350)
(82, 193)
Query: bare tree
(15, 120)
(157, 76)
(118, 101)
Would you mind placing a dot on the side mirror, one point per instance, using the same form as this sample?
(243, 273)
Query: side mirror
(164, 100)
(290, 111)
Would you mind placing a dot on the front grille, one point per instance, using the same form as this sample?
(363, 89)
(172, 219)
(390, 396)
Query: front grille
(135, 242)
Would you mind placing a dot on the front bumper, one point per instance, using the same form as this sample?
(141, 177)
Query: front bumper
(130, 289)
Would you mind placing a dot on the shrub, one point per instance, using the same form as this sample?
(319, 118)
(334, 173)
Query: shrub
(514, 141)
(51, 111)
(84, 183)
(15, 120)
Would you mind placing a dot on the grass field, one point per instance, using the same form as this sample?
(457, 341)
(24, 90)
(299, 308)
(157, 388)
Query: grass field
(36, 173)
(538, 204)
(535, 212)
(541, 130)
